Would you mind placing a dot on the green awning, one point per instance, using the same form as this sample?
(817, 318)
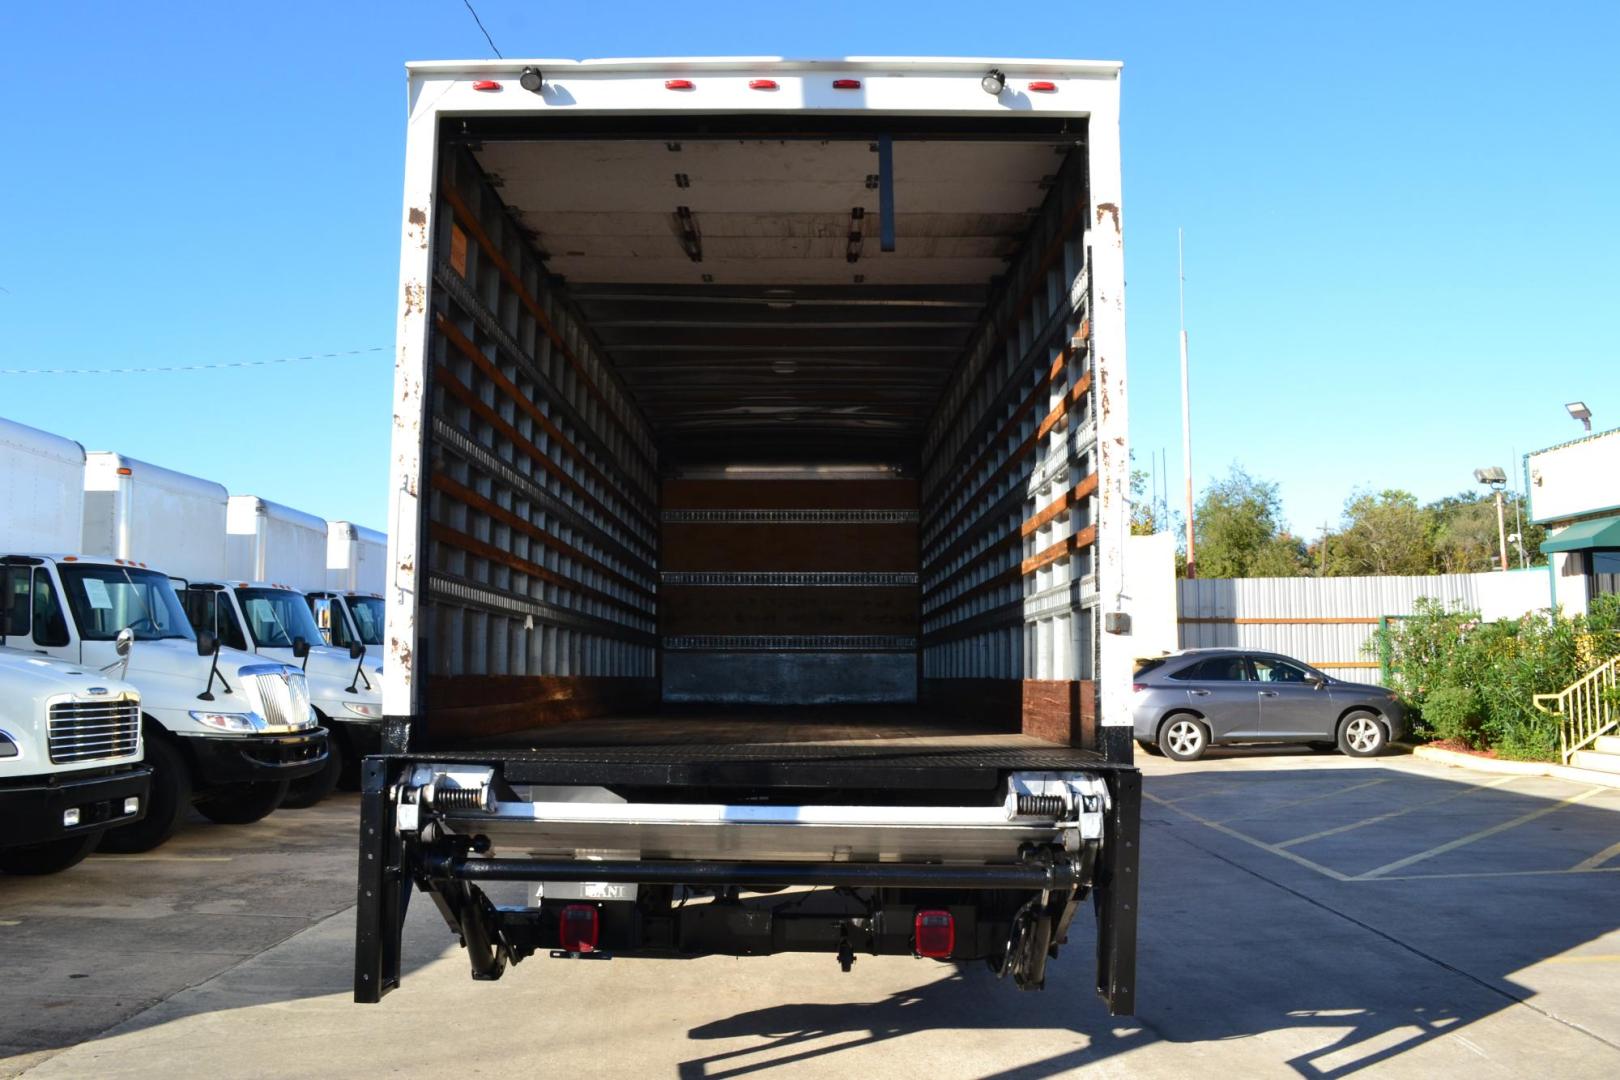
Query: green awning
(1599, 533)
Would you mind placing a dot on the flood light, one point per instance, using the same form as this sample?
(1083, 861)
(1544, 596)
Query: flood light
(530, 79)
(1579, 411)
(994, 82)
(1490, 475)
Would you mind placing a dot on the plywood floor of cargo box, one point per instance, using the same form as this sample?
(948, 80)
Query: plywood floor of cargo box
(829, 726)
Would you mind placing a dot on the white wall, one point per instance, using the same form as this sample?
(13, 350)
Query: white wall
(1575, 478)
(1150, 593)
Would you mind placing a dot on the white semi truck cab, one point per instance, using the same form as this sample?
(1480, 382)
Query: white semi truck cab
(70, 756)
(274, 621)
(223, 728)
(347, 618)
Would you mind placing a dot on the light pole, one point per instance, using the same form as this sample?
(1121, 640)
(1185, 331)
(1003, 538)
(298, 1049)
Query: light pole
(1494, 478)
(1579, 411)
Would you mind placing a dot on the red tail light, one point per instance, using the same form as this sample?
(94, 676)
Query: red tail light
(1138, 687)
(846, 84)
(935, 933)
(486, 84)
(762, 84)
(1042, 86)
(678, 84)
(577, 928)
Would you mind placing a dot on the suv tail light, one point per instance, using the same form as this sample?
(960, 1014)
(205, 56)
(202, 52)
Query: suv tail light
(1138, 687)
(935, 933)
(577, 928)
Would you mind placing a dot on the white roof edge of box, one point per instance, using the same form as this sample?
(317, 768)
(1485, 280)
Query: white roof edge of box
(40, 443)
(184, 483)
(285, 513)
(616, 65)
(357, 532)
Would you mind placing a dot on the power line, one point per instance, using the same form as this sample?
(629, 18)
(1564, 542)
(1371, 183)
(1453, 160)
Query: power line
(189, 367)
(480, 23)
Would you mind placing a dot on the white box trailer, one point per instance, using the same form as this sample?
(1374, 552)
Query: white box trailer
(356, 558)
(41, 480)
(792, 392)
(266, 541)
(135, 510)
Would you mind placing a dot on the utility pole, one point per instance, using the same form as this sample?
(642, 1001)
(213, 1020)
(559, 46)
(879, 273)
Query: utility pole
(1186, 405)
(1501, 529)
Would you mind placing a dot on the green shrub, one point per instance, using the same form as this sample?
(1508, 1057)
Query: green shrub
(1454, 712)
(1463, 678)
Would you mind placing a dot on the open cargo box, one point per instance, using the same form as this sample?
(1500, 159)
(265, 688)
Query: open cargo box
(750, 448)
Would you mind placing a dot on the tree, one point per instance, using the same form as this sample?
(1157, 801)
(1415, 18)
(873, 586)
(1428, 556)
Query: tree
(1466, 539)
(1238, 530)
(1383, 533)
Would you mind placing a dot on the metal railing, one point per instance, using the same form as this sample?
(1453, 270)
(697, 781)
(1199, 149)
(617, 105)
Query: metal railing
(1585, 708)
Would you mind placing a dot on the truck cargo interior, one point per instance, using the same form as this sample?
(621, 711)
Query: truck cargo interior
(773, 433)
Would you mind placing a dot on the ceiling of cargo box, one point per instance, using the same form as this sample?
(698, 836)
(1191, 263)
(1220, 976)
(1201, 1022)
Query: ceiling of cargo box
(740, 288)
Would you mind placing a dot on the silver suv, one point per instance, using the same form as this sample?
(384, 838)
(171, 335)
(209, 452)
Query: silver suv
(1185, 703)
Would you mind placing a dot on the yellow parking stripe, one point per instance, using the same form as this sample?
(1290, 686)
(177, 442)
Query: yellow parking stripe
(1473, 789)
(1262, 811)
(1325, 871)
(1453, 845)
(1599, 859)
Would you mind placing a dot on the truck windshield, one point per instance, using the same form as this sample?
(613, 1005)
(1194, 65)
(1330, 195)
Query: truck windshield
(368, 617)
(107, 599)
(276, 616)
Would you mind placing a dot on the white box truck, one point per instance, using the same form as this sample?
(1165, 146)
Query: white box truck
(758, 491)
(351, 607)
(221, 728)
(266, 541)
(70, 752)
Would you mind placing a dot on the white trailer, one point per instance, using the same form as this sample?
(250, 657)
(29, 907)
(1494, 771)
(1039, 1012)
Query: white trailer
(135, 510)
(41, 476)
(792, 383)
(356, 558)
(222, 729)
(266, 541)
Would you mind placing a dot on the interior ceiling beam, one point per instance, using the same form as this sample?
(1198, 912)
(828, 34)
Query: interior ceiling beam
(969, 296)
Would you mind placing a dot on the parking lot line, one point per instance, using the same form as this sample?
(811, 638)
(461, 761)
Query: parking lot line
(1471, 790)
(1453, 845)
(1309, 798)
(1325, 871)
(1599, 859)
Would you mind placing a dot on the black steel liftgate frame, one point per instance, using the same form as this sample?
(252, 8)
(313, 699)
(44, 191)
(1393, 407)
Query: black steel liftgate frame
(390, 866)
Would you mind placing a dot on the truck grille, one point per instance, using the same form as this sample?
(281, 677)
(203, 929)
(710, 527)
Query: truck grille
(286, 698)
(90, 730)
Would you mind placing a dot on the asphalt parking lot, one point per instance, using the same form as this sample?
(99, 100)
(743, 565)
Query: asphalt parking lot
(1302, 915)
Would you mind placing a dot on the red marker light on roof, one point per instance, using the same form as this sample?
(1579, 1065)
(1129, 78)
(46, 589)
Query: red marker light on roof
(1043, 87)
(124, 470)
(762, 84)
(846, 84)
(935, 934)
(678, 84)
(486, 85)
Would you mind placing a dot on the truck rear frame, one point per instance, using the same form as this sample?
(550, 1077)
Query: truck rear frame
(672, 837)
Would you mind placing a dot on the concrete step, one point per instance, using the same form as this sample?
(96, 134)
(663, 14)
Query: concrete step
(1607, 744)
(1596, 760)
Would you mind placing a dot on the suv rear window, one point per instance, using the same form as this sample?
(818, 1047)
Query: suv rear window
(1216, 669)
(1145, 666)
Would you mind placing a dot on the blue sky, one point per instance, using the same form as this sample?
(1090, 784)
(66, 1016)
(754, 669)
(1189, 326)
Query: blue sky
(1401, 219)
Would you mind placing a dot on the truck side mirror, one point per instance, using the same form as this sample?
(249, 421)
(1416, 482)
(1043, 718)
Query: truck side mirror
(300, 648)
(357, 649)
(124, 642)
(207, 643)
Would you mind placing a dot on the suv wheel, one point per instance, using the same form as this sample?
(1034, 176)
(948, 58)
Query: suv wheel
(1362, 735)
(1183, 738)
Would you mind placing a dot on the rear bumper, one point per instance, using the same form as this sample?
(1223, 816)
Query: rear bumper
(32, 810)
(259, 757)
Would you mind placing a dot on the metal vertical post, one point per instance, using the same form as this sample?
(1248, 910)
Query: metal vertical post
(1116, 895)
(383, 890)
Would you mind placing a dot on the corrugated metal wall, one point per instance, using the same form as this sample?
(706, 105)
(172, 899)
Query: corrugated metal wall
(1326, 622)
